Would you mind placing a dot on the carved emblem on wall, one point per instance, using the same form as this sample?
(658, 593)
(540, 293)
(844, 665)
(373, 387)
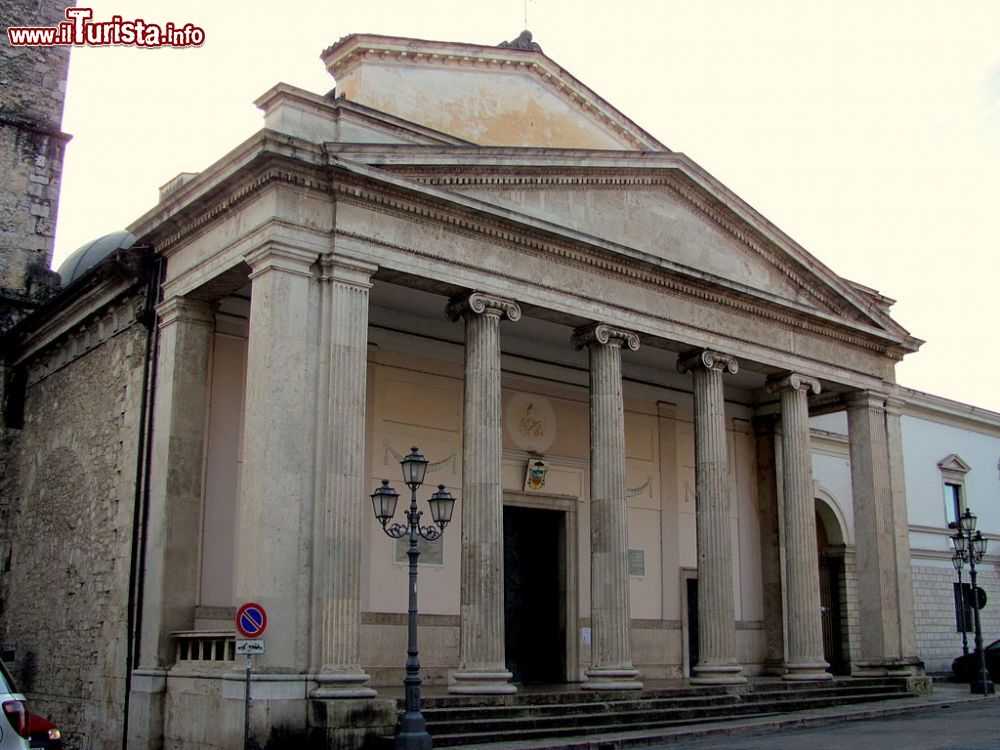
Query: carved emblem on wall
(534, 479)
(531, 422)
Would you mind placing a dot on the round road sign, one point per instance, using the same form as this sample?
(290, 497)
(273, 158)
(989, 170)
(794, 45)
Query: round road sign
(251, 620)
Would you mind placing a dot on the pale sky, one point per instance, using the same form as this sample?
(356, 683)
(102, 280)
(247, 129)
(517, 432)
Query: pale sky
(867, 131)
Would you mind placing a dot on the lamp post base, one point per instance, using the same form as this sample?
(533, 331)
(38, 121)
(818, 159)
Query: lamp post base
(982, 685)
(413, 734)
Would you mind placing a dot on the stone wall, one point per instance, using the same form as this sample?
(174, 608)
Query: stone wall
(32, 90)
(70, 514)
(938, 639)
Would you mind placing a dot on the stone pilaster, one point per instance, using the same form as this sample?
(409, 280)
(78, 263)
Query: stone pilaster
(482, 666)
(276, 510)
(611, 660)
(766, 449)
(340, 516)
(717, 663)
(803, 623)
(886, 612)
(170, 583)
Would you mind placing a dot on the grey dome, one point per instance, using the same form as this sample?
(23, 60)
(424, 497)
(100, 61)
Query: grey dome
(89, 255)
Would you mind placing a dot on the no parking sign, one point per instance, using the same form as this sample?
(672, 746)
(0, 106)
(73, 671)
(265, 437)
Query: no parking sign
(251, 620)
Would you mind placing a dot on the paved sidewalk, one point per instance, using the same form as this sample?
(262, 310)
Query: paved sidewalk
(949, 713)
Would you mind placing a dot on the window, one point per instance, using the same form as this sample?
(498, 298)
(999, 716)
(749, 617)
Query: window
(953, 471)
(953, 504)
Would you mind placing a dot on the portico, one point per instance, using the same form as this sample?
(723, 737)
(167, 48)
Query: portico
(597, 304)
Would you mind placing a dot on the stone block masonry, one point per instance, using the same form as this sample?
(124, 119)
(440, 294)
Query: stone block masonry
(32, 145)
(938, 638)
(70, 500)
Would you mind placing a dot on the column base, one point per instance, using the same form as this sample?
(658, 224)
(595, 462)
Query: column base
(807, 672)
(342, 685)
(481, 683)
(612, 679)
(894, 667)
(718, 674)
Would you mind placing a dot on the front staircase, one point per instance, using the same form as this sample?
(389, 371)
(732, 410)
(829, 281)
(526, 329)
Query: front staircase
(535, 716)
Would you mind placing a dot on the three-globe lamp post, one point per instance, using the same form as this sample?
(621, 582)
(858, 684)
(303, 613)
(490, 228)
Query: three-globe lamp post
(970, 546)
(413, 731)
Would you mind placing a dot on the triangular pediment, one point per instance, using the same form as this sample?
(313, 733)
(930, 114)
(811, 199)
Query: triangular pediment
(954, 464)
(662, 208)
(492, 96)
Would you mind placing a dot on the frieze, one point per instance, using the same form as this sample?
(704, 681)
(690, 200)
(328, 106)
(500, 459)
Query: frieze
(237, 197)
(85, 337)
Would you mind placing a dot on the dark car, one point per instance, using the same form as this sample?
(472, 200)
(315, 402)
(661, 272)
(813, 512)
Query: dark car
(965, 667)
(42, 733)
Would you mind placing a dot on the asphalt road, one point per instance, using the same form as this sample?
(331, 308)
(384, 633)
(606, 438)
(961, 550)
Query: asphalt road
(969, 726)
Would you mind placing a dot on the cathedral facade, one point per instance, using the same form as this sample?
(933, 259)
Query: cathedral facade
(674, 436)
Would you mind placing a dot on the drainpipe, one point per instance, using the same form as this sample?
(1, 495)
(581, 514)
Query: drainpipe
(140, 509)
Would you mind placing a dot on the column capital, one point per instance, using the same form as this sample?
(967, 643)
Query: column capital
(604, 334)
(708, 359)
(477, 303)
(792, 381)
(865, 400)
(185, 310)
(346, 270)
(275, 256)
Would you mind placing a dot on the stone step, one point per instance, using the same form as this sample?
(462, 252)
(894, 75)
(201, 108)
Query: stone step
(488, 727)
(479, 720)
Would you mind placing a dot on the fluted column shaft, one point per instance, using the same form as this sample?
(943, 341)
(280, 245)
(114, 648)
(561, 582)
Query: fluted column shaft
(804, 625)
(482, 666)
(611, 661)
(716, 617)
(340, 516)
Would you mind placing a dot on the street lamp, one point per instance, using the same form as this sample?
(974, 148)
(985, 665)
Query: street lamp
(970, 546)
(413, 732)
(956, 560)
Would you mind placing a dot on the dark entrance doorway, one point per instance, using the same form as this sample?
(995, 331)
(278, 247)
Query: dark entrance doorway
(831, 577)
(535, 593)
(692, 623)
(830, 574)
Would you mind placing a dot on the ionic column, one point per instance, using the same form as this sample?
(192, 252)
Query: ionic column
(340, 515)
(482, 667)
(804, 625)
(611, 660)
(277, 484)
(717, 663)
(886, 611)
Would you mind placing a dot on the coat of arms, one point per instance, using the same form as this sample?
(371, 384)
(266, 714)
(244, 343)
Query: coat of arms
(535, 478)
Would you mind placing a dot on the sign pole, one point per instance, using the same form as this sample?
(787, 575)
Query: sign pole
(246, 705)
(251, 622)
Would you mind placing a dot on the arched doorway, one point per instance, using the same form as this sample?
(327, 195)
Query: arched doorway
(830, 546)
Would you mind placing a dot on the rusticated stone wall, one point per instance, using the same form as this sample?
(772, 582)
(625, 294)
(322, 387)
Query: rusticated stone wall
(938, 638)
(69, 509)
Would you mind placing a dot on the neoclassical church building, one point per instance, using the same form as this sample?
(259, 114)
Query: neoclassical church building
(675, 437)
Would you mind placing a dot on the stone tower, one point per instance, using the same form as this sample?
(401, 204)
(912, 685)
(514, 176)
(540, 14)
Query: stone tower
(32, 90)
